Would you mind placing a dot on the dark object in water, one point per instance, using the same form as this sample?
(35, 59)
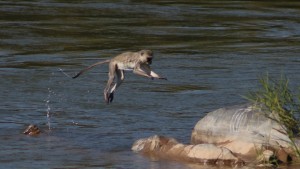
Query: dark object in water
(32, 130)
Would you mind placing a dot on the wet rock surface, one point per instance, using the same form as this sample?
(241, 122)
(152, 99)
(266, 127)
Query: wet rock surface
(168, 148)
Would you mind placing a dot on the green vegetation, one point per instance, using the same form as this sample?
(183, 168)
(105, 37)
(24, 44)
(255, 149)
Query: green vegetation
(280, 104)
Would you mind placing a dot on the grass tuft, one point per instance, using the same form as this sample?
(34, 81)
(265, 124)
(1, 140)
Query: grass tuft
(280, 104)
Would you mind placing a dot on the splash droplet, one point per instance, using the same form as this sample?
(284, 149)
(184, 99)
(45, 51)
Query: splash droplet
(48, 109)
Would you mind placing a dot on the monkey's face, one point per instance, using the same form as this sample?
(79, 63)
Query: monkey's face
(146, 56)
(149, 60)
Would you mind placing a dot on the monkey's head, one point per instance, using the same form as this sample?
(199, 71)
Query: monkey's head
(146, 56)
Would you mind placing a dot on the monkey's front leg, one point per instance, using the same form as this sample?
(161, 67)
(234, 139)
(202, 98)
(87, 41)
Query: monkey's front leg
(145, 70)
(141, 73)
(154, 75)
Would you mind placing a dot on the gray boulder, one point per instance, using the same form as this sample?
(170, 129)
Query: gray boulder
(236, 135)
(246, 131)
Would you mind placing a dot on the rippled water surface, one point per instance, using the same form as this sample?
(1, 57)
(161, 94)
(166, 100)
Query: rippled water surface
(211, 53)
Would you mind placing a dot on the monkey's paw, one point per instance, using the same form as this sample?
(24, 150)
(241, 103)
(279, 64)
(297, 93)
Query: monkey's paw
(108, 97)
(111, 97)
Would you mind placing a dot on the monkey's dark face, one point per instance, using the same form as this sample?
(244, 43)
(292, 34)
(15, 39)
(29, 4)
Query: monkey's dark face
(146, 56)
(149, 60)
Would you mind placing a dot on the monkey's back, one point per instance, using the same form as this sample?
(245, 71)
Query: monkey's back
(126, 60)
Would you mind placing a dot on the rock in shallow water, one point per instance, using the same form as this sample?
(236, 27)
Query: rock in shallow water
(168, 148)
(32, 130)
(234, 135)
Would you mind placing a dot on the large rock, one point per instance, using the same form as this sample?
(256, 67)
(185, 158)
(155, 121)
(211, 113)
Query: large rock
(245, 130)
(234, 135)
(168, 148)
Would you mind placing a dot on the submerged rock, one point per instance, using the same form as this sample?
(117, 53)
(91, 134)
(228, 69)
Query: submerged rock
(32, 130)
(168, 148)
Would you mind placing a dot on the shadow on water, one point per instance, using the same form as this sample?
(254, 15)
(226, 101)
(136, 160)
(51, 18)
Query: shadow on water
(211, 53)
(33, 65)
(181, 88)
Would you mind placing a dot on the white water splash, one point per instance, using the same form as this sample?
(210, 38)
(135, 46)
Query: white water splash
(48, 109)
(62, 71)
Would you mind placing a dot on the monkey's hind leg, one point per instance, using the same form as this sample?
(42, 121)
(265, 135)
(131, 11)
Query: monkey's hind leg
(111, 97)
(110, 86)
(109, 94)
(108, 97)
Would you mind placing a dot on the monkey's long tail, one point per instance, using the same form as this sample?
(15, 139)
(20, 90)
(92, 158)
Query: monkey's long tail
(86, 69)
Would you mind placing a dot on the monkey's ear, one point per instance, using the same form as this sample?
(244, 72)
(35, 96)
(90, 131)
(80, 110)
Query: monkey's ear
(142, 53)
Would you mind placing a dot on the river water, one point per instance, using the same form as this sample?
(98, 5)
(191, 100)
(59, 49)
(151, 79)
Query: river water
(211, 52)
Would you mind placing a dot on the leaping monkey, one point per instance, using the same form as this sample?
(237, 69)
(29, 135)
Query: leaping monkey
(139, 62)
